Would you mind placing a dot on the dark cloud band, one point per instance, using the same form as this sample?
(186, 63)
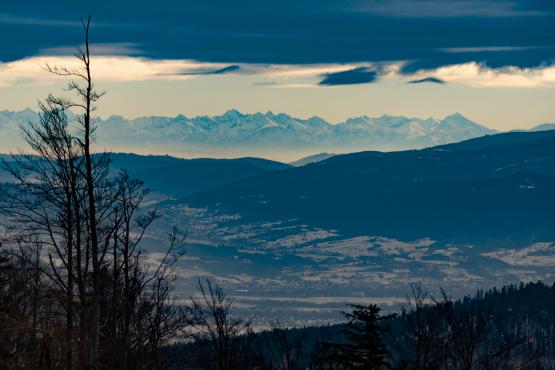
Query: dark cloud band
(433, 80)
(353, 76)
(221, 71)
(515, 32)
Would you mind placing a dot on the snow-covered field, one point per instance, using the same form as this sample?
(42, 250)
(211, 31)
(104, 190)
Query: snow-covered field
(299, 274)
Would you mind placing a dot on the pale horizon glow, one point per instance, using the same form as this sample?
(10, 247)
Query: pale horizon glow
(503, 99)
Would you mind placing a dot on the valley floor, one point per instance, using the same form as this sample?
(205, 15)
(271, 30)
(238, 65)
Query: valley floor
(302, 275)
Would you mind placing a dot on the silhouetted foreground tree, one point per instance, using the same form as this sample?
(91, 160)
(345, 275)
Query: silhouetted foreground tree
(77, 290)
(25, 306)
(492, 330)
(363, 346)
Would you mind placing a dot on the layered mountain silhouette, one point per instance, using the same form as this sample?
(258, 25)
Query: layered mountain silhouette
(490, 189)
(176, 177)
(179, 177)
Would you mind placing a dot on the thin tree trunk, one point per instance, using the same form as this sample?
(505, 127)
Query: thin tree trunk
(91, 208)
(115, 277)
(127, 310)
(69, 312)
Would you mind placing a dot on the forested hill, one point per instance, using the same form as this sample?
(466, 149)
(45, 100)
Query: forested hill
(508, 328)
(494, 188)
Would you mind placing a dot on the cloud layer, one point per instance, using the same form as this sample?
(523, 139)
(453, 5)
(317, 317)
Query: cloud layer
(306, 43)
(126, 68)
(426, 34)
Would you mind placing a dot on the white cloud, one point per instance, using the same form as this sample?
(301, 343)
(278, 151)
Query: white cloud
(469, 74)
(475, 74)
(128, 68)
(105, 68)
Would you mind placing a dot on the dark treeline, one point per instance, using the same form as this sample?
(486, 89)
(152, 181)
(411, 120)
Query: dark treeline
(480, 332)
(508, 328)
(78, 290)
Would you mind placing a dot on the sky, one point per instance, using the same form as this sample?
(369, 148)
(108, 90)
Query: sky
(491, 60)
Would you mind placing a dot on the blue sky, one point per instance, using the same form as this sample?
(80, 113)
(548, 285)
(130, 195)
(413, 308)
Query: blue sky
(334, 58)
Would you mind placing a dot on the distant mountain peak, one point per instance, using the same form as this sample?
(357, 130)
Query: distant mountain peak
(27, 110)
(544, 127)
(232, 113)
(456, 116)
(115, 117)
(235, 133)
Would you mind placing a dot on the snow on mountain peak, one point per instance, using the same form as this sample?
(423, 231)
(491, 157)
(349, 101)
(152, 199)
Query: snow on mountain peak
(232, 114)
(268, 130)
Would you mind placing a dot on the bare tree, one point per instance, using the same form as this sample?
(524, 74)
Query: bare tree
(438, 333)
(85, 226)
(87, 97)
(288, 349)
(223, 342)
(43, 204)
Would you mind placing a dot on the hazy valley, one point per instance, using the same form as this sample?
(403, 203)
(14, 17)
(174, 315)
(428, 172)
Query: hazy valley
(297, 243)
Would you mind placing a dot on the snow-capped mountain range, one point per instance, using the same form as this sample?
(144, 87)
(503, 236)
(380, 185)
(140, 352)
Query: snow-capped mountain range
(244, 134)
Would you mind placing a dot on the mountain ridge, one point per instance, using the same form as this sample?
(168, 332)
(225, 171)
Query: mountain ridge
(503, 181)
(237, 134)
(312, 159)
